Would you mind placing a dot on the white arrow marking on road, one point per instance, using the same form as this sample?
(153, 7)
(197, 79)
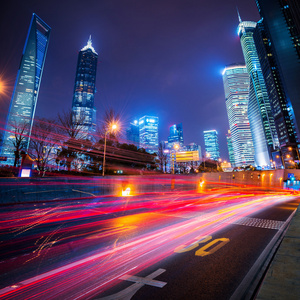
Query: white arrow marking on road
(127, 293)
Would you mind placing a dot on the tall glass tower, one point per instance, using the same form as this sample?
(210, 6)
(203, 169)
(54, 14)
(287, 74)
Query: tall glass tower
(133, 134)
(280, 27)
(176, 135)
(212, 144)
(236, 86)
(84, 112)
(262, 124)
(27, 85)
(230, 149)
(148, 128)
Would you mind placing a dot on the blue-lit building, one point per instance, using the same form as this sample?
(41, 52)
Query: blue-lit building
(236, 86)
(27, 85)
(176, 135)
(148, 133)
(230, 148)
(262, 125)
(84, 112)
(211, 143)
(133, 133)
(277, 39)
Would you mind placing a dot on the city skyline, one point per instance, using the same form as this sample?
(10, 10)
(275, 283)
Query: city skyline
(170, 68)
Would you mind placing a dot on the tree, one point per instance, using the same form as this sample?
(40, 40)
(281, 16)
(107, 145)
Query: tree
(71, 131)
(19, 131)
(43, 141)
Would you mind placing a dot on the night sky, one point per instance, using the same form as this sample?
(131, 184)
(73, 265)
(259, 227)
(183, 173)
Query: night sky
(156, 57)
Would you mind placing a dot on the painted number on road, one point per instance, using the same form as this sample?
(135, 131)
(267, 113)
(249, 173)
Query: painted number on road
(205, 250)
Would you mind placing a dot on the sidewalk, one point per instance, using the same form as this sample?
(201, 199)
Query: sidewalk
(282, 280)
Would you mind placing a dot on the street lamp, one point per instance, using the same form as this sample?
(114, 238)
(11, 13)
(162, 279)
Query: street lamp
(176, 147)
(111, 128)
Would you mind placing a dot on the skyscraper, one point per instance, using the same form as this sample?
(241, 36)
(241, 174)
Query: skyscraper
(230, 149)
(27, 85)
(176, 135)
(236, 86)
(282, 109)
(133, 134)
(148, 131)
(280, 27)
(262, 125)
(211, 144)
(83, 108)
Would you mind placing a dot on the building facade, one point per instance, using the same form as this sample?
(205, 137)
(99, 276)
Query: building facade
(280, 30)
(148, 133)
(236, 86)
(230, 149)
(84, 111)
(263, 130)
(133, 134)
(211, 143)
(176, 135)
(26, 90)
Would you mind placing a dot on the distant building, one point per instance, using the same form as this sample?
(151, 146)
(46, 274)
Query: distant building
(148, 133)
(277, 39)
(176, 135)
(27, 85)
(236, 86)
(230, 149)
(194, 147)
(211, 144)
(133, 134)
(263, 130)
(84, 112)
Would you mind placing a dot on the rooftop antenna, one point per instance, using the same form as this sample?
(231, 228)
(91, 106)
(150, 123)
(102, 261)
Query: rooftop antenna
(240, 20)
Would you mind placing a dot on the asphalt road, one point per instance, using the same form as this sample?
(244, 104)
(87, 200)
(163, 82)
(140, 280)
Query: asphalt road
(189, 245)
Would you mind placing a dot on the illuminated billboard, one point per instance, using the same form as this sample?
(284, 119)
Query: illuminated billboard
(187, 156)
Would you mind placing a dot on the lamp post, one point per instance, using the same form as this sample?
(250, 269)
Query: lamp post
(176, 147)
(113, 127)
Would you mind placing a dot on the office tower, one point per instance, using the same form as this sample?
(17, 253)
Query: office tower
(211, 144)
(236, 86)
(282, 109)
(264, 135)
(230, 149)
(148, 130)
(133, 134)
(176, 135)
(280, 27)
(27, 85)
(84, 112)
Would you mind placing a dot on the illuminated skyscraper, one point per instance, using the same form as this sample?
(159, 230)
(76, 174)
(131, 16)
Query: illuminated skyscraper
(148, 129)
(262, 125)
(212, 144)
(230, 149)
(27, 85)
(236, 87)
(83, 108)
(176, 135)
(279, 53)
(133, 134)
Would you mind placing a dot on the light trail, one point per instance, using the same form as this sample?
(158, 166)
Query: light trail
(122, 236)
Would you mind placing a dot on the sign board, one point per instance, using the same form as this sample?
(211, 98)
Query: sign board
(3, 158)
(187, 156)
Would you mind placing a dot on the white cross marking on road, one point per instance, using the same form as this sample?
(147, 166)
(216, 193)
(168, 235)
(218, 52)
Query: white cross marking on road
(127, 293)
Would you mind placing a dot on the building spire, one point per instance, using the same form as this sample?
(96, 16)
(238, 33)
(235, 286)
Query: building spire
(240, 19)
(89, 45)
(90, 41)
